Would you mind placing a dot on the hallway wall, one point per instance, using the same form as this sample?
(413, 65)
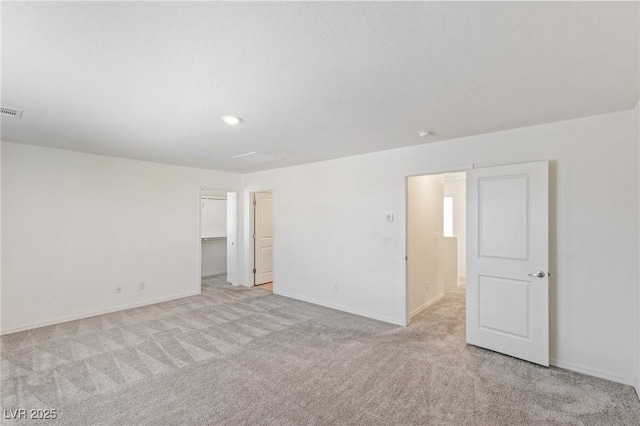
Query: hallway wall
(425, 248)
(456, 186)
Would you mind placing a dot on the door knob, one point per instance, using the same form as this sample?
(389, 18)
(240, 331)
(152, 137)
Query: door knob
(538, 274)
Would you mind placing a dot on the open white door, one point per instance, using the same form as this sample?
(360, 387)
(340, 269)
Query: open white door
(508, 260)
(263, 238)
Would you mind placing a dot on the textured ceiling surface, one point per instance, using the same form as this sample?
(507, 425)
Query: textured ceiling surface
(312, 81)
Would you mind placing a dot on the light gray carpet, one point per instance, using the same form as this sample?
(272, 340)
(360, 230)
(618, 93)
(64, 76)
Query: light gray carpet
(245, 356)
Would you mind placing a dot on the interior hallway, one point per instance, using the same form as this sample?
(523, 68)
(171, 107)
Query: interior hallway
(236, 355)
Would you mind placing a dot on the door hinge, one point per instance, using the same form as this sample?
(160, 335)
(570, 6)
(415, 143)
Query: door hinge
(255, 202)
(406, 258)
(254, 270)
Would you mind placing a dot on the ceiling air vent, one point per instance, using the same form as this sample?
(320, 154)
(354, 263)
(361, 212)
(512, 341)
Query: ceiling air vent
(254, 157)
(10, 112)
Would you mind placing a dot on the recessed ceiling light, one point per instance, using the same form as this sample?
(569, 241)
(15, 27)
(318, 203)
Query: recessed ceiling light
(425, 133)
(231, 120)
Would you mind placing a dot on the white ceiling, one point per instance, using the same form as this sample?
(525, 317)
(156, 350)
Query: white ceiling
(312, 81)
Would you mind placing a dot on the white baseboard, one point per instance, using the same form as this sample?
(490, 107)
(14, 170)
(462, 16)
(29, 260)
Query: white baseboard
(425, 306)
(592, 372)
(207, 274)
(340, 308)
(96, 313)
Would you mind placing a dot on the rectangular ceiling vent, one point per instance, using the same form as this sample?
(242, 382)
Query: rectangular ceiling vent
(10, 112)
(255, 157)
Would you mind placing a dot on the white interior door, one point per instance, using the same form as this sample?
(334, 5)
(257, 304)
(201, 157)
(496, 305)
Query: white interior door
(508, 259)
(263, 237)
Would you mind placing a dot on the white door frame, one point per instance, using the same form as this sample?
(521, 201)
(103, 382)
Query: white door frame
(248, 237)
(235, 250)
(428, 172)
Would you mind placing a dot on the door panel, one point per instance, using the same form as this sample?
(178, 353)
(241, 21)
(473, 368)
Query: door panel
(263, 238)
(507, 213)
(266, 257)
(267, 217)
(503, 203)
(504, 306)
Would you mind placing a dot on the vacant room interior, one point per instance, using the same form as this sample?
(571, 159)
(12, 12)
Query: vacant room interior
(208, 216)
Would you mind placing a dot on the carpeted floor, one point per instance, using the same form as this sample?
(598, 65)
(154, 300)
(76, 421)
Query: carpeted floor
(245, 356)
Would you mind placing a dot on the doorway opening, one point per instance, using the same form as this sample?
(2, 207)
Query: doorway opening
(218, 264)
(436, 238)
(262, 231)
(506, 277)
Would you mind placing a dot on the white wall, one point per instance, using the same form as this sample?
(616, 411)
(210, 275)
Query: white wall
(213, 218)
(457, 188)
(425, 274)
(450, 264)
(77, 225)
(636, 137)
(1, 233)
(214, 257)
(331, 231)
(232, 236)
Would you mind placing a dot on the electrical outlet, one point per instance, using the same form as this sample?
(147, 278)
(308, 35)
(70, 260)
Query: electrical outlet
(335, 288)
(426, 286)
(141, 286)
(118, 289)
